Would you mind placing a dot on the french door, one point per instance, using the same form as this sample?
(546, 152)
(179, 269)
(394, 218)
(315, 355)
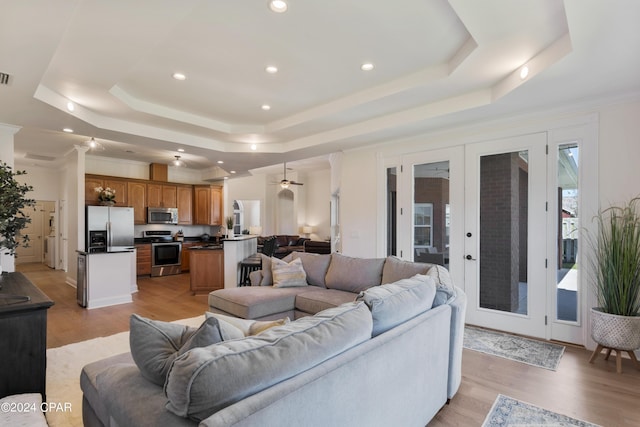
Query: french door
(506, 234)
(507, 218)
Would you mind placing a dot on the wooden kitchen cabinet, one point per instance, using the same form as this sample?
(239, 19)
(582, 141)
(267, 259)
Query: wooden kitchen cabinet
(137, 195)
(120, 186)
(161, 196)
(207, 201)
(91, 182)
(206, 270)
(185, 263)
(184, 195)
(143, 259)
(90, 185)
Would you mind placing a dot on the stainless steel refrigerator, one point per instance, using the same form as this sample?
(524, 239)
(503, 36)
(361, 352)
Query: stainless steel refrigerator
(109, 229)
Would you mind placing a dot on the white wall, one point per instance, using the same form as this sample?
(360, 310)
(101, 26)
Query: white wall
(46, 182)
(7, 263)
(619, 152)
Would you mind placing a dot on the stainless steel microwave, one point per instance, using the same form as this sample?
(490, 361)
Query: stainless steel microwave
(162, 216)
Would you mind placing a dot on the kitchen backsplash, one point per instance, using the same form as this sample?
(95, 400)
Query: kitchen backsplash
(188, 230)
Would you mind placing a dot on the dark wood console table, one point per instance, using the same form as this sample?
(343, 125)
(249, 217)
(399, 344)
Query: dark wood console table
(23, 332)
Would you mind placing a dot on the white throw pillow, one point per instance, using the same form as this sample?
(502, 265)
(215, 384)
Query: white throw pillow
(288, 275)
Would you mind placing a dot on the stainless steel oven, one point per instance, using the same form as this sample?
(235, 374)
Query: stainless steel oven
(166, 258)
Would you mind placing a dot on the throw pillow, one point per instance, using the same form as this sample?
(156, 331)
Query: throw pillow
(267, 277)
(395, 303)
(288, 275)
(241, 328)
(396, 269)
(444, 286)
(315, 265)
(156, 344)
(353, 274)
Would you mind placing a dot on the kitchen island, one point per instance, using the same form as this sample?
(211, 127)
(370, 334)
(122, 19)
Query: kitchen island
(106, 278)
(206, 268)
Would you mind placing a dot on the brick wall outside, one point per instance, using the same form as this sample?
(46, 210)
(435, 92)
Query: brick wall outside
(503, 205)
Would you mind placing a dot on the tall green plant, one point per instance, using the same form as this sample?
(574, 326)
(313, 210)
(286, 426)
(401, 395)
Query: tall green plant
(12, 202)
(617, 259)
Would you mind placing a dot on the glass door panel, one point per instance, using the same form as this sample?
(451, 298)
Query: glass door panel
(504, 185)
(430, 207)
(567, 233)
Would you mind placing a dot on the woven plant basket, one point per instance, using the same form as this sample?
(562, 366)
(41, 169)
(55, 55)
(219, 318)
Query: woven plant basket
(613, 331)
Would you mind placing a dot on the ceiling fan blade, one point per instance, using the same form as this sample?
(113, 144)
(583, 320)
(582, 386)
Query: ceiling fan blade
(295, 183)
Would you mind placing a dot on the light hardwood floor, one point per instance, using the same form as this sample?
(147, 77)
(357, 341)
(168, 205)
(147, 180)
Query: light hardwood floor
(591, 392)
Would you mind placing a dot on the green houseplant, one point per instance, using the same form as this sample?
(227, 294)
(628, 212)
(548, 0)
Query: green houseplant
(12, 203)
(615, 323)
(229, 223)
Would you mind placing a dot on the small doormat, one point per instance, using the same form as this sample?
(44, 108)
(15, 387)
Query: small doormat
(532, 352)
(508, 412)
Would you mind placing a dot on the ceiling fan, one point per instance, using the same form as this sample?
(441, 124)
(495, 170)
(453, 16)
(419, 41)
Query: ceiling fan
(285, 183)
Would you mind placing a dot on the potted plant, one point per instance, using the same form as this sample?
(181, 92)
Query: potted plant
(12, 202)
(615, 322)
(229, 222)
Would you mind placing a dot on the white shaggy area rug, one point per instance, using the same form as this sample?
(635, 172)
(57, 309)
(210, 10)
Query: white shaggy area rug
(65, 363)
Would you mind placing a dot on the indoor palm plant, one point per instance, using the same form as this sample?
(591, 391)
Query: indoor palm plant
(12, 203)
(616, 263)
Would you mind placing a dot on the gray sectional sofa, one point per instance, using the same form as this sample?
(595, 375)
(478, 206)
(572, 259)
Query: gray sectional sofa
(390, 354)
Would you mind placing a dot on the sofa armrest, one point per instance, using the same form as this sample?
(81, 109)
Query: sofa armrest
(458, 312)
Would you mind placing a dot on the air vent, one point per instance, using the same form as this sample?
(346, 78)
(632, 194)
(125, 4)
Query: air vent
(4, 79)
(39, 157)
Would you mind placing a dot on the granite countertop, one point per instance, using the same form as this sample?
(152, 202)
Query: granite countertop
(209, 247)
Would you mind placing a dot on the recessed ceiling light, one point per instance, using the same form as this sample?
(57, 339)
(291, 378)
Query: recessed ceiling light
(254, 147)
(524, 72)
(70, 106)
(226, 177)
(181, 150)
(179, 76)
(220, 162)
(271, 69)
(67, 130)
(266, 107)
(278, 6)
(367, 66)
(232, 171)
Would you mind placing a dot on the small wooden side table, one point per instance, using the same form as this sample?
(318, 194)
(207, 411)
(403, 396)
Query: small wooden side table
(23, 328)
(599, 349)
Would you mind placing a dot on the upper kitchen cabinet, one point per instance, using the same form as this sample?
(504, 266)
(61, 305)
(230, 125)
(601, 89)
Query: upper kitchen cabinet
(207, 201)
(91, 182)
(185, 204)
(161, 196)
(137, 194)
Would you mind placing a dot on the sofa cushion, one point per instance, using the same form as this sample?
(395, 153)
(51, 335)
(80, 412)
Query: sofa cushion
(155, 344)
(288, 274)
(234, 327)
(444, 285)
(205, 380)
(316, 300)
(315, 265)
(267, 277)
(396, 269)
(395, 303)
(353, 274)
(254, 302)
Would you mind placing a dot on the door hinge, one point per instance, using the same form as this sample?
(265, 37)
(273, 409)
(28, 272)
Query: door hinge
(547, 149)
(545, 263)
(545, 320)
(546, 206)
(400, 254)
(401, 168)
(400, 211)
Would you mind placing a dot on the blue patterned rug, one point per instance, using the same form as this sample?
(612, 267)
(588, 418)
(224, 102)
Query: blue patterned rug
(508, 412)
(532, 352)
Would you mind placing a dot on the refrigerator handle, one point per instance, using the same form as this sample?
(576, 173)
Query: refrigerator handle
(109, 242)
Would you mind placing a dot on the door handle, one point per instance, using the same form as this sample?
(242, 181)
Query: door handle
(470, 258)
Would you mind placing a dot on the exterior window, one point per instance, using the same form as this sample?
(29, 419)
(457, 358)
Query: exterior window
(422, 226)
